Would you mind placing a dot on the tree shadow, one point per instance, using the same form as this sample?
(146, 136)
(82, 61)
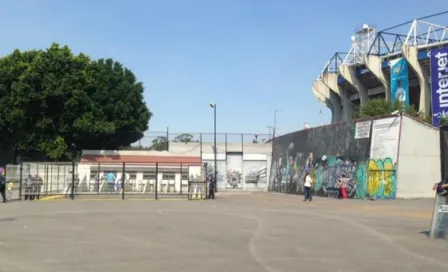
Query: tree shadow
(426, 232)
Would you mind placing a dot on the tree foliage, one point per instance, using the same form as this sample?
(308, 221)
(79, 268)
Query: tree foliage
(183, 138)
(54, 102)
(159, 144)
(375, 107)
(379, 106)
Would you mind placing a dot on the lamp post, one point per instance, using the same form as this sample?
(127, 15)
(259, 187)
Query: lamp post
(275, 123)
(215, 176)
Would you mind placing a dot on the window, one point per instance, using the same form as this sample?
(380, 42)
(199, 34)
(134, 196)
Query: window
(168, 176)
(184, 175)
(149, 176)
(133, 175)
(93, 174)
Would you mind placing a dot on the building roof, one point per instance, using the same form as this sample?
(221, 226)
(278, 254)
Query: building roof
(140, 159)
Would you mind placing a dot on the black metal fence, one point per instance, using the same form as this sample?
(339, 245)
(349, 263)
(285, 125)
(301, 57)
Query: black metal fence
(29, 181)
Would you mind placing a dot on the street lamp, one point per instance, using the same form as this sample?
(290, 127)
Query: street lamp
(215, 149)
(275, 122)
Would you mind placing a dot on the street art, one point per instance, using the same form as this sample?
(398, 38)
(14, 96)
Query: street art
(233, 178)
(327, 153)
(257, 176)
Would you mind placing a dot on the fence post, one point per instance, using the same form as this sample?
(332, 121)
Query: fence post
(123, 177)
(157, 180)
(73, 180)
(207, 190)
(46, 178)
(21, 181)
(181, 179)
(98, 178)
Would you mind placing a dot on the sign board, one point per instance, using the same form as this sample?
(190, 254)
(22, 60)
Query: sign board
(385, 138)
(362, 129)
(439, 86)
(399, 78)
(443, 209)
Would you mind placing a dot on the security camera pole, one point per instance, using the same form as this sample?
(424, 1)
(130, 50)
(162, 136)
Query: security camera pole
(215, 176)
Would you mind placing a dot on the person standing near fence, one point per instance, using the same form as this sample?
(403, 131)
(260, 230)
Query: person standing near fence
(211, 190)
(3, 184)
(307, 185)
(28, 187)
(39, 183)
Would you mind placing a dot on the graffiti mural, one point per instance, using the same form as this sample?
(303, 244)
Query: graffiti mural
(221, 165)
(234, 164)
(255, 174)
(327, 153)
(233, 178)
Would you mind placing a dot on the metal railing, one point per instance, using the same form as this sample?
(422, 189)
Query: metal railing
(29, 181)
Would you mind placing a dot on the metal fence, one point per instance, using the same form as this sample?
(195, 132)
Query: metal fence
(161, 140)
(29, 181)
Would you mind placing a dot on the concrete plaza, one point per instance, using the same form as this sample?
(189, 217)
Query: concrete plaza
(235, 232)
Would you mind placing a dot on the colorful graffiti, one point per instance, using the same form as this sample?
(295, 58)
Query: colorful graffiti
(373, 178)
(328, 153)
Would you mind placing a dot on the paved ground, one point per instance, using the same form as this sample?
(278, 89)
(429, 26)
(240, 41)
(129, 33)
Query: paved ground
(243, 232)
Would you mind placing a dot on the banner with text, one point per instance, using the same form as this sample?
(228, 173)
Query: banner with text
(439, 84)
(385, 135)
(399, 78)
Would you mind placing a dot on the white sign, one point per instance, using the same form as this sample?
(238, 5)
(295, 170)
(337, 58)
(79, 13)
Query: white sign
(385, 136)
(443, 208)
(362, 130)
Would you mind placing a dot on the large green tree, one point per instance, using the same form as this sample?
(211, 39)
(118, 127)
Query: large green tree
(54, 102)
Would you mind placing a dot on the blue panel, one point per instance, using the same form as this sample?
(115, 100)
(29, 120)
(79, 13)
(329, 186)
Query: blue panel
(423, 55)
(341, 79)
(361, 70)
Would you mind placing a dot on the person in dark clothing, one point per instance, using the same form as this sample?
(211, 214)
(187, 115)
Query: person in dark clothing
(39, 184)
(211, 191)
(28, 187)
(3, 185)
(441, 189)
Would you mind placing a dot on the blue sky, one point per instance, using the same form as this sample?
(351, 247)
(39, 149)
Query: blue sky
(248, 56)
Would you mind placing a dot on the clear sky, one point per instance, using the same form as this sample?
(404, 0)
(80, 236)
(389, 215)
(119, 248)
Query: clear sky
(248, 56)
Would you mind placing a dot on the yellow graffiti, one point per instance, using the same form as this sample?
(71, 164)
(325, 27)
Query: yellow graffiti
(380, 173)
(388, 178)
(374, 178)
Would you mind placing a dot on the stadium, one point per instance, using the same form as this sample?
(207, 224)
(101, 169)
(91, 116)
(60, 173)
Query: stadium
(349, 79)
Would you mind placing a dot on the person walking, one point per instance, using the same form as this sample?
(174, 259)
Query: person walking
(307, 185)
(3, 185)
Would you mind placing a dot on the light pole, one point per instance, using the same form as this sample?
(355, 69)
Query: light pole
(215, 176)
(275, 122)
(270, 130)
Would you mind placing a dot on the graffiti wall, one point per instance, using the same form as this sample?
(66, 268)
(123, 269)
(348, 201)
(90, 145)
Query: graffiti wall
(234, 165)
(255, 174)
(238, 173)
(221, 178)
(328, 152)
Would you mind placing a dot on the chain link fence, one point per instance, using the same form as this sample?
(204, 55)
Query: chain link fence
(30, 181)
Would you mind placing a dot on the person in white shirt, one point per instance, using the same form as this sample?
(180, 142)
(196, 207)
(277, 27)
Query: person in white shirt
(307, 185)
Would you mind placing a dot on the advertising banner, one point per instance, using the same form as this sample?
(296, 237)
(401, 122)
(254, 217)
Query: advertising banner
(439, 84)
(399, 79)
